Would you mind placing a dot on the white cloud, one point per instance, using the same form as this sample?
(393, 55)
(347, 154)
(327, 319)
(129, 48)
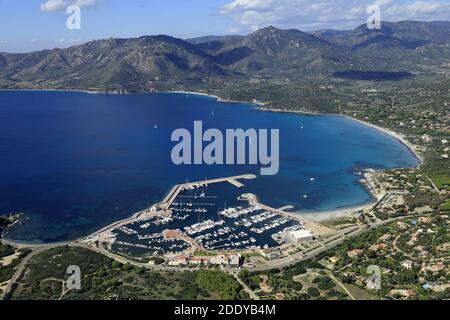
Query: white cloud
(53, 5)
(307, 14)
(61, 5)
(85, 3)
(68, 41)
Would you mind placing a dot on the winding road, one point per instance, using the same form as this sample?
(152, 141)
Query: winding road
(280, 263)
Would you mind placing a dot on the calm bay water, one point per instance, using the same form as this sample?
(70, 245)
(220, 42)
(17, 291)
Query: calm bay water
(75, 162)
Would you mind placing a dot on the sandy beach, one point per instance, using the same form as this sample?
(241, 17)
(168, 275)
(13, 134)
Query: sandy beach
(219, 99)
(338, 213)
(394, 134)
(397, 136)
(302, 112)
(193, 93)
(350, 211)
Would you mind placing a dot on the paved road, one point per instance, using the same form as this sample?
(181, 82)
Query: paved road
(20, 267)
(42, 248)
(298, 257)
(39, 248)
(250, 292)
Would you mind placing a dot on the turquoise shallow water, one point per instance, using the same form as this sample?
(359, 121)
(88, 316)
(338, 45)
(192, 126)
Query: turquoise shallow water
(75, 162)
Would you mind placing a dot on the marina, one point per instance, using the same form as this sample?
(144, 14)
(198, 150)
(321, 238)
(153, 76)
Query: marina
(210, 215)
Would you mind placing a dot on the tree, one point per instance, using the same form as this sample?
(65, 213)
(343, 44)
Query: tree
(220, 282)
(297, 286)
(313, 292)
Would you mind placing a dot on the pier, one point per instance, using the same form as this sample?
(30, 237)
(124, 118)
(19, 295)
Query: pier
(316, 227)
(175, 191)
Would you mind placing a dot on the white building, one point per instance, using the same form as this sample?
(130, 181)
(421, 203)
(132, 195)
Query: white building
(233, 260)
(179, 261)
(300, 235)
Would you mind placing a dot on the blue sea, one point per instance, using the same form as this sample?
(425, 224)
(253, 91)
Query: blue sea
(74, 162)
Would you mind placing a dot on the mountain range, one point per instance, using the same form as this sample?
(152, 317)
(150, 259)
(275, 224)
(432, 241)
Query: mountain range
(403, 48)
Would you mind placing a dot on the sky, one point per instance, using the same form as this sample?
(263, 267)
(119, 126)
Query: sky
(41, 24)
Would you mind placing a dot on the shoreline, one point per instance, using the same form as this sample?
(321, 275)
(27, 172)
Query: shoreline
(300, 112)
(261, 106)
(317, 216)
(218, 98)
(411, 147)
(349, 211)
(87, 91)
(320, 216)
